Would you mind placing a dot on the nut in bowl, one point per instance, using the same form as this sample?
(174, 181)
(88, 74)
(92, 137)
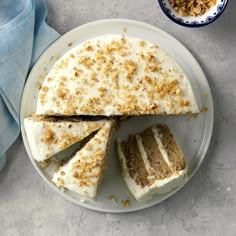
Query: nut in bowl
(193, 13)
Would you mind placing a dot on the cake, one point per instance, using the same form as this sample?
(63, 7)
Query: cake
(50, 135)
(115, 75)
(112, 76)
(152, 162)
(83, 172)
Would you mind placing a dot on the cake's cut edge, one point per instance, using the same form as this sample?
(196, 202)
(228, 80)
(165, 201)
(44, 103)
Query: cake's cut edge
(48, 137)
(139, 192)
(174, 177)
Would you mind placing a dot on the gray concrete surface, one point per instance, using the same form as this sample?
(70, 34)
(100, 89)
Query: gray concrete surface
(206, 206)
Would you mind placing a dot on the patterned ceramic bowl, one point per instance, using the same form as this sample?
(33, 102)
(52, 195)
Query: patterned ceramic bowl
(194, 21)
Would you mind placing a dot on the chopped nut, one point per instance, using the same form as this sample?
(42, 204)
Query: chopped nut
(44, 89)
(77, 72)
(183, 102)
(123, 40)
(125, 203)
(186, 103)
(60, 180)
(124, 29)
(86, 61)
(44, 164)
(38, 85)
(151, 68)
(89, 48)
(101, 89)
(177, 91)
(48, 136)
(63, 78)
(111, 198)
(204, 109)
(142, 43)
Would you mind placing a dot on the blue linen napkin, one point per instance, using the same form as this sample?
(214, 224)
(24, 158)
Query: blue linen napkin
(24, 35)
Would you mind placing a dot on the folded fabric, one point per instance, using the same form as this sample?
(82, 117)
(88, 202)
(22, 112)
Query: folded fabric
(24, 35)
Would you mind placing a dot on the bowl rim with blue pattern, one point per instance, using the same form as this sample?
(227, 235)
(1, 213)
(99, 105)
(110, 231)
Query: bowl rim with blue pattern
(194, 21)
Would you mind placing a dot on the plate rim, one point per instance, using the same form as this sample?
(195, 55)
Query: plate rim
(211, 112)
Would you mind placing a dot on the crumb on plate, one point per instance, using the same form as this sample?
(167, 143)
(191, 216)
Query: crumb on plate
(204, 109)
(44, 164)
(125, 202)
(111, 198)
(124, 29)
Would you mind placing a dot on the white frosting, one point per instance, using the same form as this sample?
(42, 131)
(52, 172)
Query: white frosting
(160, 145)
(114, 97)
(143, 154)
(65, 133)
(92, 155)
(140, 193)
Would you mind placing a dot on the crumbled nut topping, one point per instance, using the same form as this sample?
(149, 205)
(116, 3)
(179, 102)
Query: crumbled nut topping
(89, 48)
(192, 7)
(38, 85)
(48, 136)
(86, 61)
(90, 163)
(61, 181)
(142, 43)
(44, 89)
(66, 139)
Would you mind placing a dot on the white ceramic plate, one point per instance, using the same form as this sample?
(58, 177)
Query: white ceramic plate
(193, 136)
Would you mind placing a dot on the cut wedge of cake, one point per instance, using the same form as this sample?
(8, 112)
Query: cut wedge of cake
(152, 162)
(116, 75)
(83, 171)
(50, 135)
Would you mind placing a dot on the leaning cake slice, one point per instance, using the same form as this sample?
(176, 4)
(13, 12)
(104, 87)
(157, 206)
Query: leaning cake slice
(50, 135)
(152, 162)
(83, 172)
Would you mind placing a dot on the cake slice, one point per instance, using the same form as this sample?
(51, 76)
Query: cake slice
(152, 162)
(114, 75)
(83, 172)
(50, 135)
